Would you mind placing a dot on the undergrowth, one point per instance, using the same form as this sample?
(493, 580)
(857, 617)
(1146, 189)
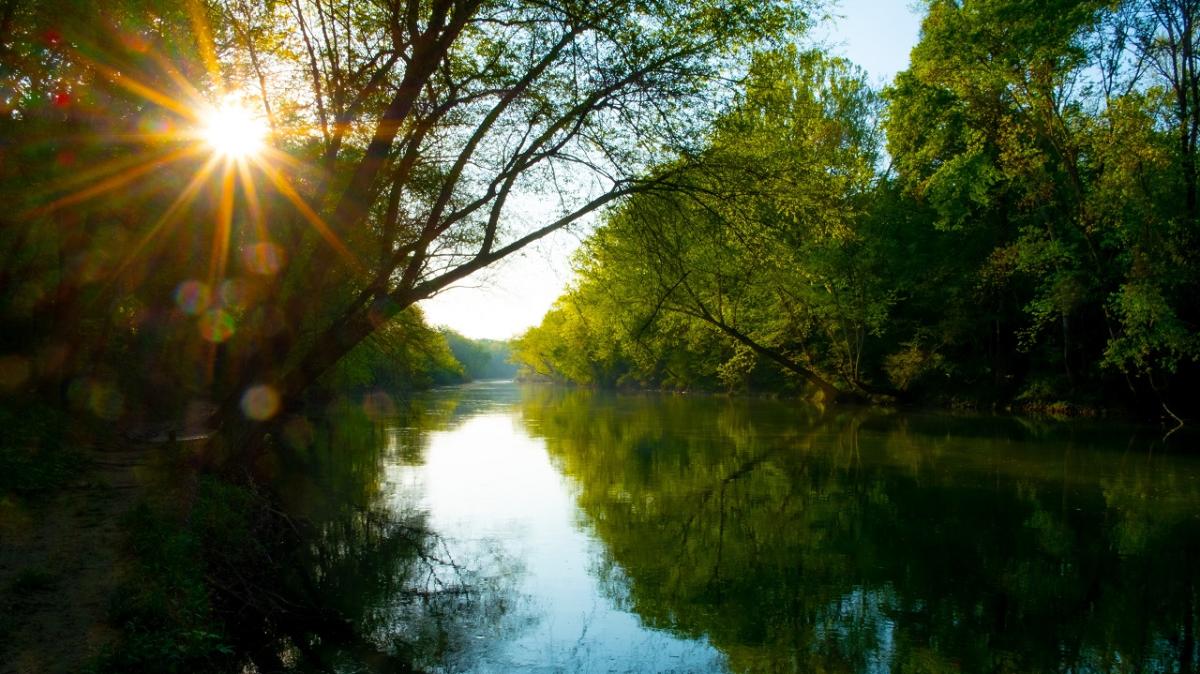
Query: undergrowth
(164, 608)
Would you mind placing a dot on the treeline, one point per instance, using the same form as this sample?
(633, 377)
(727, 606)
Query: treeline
(481, 358)
(407, 354)
(1012, 221)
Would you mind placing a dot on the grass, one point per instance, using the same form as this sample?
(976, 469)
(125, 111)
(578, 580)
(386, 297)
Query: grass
(164, 609)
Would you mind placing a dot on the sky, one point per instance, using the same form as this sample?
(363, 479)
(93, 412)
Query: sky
(513, 295)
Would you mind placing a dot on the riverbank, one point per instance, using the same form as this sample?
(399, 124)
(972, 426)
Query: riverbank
(62, 560)
(1037, 409)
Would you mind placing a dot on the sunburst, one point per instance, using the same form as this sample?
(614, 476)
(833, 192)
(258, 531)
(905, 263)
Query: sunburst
(231, 137)
(233, 130)
(224, 132)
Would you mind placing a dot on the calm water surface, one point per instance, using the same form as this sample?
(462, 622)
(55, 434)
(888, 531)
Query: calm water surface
(573, 531)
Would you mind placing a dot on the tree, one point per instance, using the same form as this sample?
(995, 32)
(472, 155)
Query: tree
(763, 239)
(1040, 139)
(402, 355)
(1164, 34)
(440, 120)
(413, 144)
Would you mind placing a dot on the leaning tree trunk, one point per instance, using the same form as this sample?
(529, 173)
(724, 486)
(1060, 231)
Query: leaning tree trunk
(829, 393)
(245, 436)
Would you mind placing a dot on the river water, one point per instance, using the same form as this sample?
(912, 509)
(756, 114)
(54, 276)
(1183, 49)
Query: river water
(499, 528)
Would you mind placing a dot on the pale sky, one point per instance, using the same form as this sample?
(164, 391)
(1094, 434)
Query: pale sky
(515, 293)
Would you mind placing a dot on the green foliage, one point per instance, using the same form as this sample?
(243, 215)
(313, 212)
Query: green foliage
(909, 365)
(1154, 339)
(481, 358)
(1032, 239)
(164, 608)
(764, 250)
(403, 355)
(1045, 157)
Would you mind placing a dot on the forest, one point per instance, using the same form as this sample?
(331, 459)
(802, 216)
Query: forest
(220, 218)
(1009, 224)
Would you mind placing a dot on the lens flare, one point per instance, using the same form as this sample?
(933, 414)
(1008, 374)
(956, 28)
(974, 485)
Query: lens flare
(217, 325)
(155, 123)
(234, 293)
(260, 402)
(193, 297)
(263, 258)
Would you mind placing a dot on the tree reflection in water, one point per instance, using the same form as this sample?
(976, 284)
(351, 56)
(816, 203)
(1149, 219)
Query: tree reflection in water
(787, 538)
(352, 579)
(867, 542)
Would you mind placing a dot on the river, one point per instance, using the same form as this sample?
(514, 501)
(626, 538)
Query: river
(499, 527)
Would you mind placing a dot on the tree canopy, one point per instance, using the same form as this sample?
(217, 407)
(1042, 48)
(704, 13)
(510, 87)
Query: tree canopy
(1011, 221)
(404, 146)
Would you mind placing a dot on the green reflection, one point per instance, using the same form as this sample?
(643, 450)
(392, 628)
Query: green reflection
(344, 574)
(865, 541)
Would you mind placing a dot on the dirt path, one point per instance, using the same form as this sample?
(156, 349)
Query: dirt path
(60, 562)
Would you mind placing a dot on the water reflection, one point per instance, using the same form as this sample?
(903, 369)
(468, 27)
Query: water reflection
(358, 580)
(864, 542)
(499, 528)
(493, 494)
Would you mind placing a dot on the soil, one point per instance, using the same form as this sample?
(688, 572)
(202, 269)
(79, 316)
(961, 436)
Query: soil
(61, 560)
(62, 553)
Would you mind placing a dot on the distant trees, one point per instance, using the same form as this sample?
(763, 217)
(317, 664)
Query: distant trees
(481, 358)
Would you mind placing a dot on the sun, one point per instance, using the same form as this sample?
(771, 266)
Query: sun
(233, 131)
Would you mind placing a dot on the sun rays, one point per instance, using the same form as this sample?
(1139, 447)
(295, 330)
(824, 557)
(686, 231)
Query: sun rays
(229, 197)
(225, 136)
